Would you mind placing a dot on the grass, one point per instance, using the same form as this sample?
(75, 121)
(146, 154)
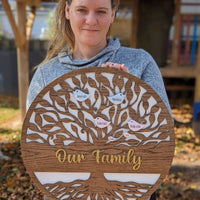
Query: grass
(9, 114)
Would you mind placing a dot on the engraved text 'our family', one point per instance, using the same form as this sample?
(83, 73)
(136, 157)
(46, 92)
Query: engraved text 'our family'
(101, 157)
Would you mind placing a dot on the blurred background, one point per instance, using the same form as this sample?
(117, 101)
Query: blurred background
(168, 29)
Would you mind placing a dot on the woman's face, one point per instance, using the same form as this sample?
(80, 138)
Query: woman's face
(90, 21)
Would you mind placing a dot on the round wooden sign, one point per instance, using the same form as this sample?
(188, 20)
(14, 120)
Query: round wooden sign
(97, 133)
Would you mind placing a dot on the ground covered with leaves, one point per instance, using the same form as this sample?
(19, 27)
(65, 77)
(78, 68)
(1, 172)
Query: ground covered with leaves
(182, 182)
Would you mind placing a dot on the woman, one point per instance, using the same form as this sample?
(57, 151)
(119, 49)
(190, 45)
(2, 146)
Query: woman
(80, 40)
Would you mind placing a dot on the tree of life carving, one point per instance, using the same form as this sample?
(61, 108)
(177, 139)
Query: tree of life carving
(107, 128)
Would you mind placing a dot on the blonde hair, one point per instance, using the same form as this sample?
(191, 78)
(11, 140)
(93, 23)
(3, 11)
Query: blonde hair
(63, 36)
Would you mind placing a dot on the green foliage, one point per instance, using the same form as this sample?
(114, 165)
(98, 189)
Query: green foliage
(7, 112)
(2, 34)
(9, 129)
(50, 20)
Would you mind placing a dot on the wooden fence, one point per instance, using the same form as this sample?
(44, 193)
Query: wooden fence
(8, 63)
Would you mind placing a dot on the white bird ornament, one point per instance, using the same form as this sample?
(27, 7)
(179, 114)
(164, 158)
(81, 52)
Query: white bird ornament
(101, 123)
(80, 95)
(117, 98)
(135, 126)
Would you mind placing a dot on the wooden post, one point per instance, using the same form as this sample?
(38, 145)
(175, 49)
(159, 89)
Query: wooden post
(22, 59)
(198, 57)
(21, 39)
(34, 4)
(197, 79)
(18, 38)
(30, 21)
(176, 33)
(134, 31)
(197, 88)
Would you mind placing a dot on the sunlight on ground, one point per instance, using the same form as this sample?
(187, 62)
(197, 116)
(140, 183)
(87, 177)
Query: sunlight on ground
(10, 126)
(7, 113)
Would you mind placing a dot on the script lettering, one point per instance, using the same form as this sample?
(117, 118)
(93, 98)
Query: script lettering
(125, 158)
(62, 156)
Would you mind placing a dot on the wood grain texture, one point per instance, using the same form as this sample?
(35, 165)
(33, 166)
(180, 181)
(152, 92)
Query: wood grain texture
(61, 137)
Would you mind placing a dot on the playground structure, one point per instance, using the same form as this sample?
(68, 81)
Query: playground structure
(184, 56)
(183, 47)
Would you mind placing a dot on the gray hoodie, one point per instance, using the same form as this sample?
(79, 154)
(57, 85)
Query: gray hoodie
(138, 61)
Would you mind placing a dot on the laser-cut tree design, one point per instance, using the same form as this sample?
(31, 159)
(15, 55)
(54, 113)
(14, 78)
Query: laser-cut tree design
(98, 108)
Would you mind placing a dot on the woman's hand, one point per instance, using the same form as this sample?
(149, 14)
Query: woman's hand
(121, 67)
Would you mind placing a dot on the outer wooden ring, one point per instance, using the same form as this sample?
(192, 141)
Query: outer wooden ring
(155, 156)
